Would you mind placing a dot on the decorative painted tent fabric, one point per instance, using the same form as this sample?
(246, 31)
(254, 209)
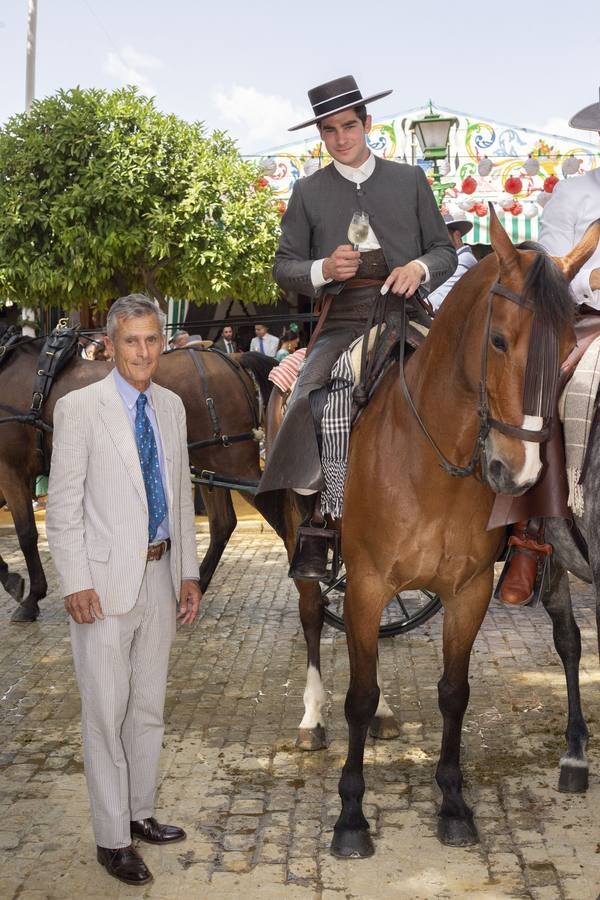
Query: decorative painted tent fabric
(515, 168)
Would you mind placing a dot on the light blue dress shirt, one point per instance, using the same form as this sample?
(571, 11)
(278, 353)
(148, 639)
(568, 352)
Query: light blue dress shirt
(129, 396)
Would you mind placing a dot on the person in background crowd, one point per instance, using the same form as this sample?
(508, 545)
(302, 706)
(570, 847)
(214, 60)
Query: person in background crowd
(457, 228)
(120, 526)
(288, 344)
(226, 343)
(179, 339)
(264, 342)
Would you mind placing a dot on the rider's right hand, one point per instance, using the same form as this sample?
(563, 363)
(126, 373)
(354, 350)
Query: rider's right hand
(342, 264)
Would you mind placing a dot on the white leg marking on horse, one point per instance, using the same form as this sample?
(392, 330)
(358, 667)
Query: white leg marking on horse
(314, 698)
(574, 763)
(383, 711)
(531, 467)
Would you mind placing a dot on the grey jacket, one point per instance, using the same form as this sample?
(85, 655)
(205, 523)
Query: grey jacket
(402, 213)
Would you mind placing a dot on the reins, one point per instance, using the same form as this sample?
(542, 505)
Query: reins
(539, 390)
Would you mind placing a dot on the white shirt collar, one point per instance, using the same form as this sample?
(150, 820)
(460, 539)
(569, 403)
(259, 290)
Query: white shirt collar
(128, 392)
(359, 174)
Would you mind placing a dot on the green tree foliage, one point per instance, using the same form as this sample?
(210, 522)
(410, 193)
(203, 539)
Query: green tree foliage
(101, 194)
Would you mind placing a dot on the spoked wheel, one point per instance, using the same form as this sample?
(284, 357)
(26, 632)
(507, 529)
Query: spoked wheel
(405, 611)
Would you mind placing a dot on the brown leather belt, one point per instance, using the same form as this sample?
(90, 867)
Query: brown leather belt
(324, 307)
(157, 551)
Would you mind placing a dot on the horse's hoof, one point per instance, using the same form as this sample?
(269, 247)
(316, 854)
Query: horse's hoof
(573, 779)
(457, 832)
(384, 729)
(311, 738)
(351, 843)
(25, 613)
(15, 586)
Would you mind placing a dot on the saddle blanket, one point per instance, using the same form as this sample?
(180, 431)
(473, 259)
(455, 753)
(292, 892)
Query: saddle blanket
(576, 409)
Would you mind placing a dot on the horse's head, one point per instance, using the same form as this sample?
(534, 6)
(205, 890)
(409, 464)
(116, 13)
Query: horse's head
(527, 334)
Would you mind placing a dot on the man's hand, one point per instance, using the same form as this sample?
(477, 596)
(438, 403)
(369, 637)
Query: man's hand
(84, 606)
(595, 280)
(189, 602)
(404, 280)
(342, 264)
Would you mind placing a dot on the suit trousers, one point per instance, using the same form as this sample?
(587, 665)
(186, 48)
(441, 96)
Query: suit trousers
(121, 664)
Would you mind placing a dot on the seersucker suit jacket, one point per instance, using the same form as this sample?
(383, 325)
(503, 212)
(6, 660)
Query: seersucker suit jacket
(97, 514)
(574, 205)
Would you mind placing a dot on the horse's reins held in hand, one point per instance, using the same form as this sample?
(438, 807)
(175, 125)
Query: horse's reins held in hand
(541, 380)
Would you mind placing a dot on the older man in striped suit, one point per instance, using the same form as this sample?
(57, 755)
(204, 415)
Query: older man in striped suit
(120, 525)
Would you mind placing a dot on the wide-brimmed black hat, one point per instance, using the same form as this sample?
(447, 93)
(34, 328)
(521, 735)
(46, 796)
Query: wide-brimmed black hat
(587, 118)
(462, 225)
(335, 96)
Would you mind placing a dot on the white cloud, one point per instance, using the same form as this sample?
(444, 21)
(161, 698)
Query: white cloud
(256, 119)
(128, 66)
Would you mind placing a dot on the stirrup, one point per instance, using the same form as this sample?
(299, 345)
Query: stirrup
(307, 534)
(542, 578)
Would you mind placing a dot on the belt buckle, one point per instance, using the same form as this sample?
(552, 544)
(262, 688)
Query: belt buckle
(156, 551)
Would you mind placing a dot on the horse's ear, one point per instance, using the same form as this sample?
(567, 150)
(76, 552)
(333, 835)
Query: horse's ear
(508, 255)
(571, 262)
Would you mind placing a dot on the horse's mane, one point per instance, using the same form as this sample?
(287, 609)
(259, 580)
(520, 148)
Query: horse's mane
(548, 288)
(260, 366)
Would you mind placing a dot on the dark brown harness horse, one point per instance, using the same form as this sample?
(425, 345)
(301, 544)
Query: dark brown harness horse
(220, 402)
(472, 403)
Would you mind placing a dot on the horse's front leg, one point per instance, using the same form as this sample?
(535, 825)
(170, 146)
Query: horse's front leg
(18, 496)
(462, 619)
(567, 640)
(362, 614)
(311, 732)
(221, 524)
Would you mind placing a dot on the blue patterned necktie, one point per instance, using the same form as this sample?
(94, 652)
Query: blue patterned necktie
(261, 344)
(147, 449)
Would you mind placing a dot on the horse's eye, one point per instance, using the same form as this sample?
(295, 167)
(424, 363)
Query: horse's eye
(499, 343)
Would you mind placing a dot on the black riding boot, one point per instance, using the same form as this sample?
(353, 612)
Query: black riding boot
(309, 561)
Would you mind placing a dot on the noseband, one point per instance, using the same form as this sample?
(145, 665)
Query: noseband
(541, 380)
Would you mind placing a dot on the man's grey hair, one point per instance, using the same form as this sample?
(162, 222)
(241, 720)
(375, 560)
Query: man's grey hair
(134, 306)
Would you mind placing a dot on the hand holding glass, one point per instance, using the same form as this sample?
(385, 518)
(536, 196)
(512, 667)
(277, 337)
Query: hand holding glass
(358, 229)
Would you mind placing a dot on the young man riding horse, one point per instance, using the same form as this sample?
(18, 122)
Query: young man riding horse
(406, 246)
(575, 204)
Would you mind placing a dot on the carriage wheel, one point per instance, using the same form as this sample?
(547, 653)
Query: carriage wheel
(405, 610)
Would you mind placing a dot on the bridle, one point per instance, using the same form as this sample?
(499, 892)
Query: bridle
(541, 380)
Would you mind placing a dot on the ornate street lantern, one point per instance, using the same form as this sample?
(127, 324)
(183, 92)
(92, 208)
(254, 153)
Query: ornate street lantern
(433, 134)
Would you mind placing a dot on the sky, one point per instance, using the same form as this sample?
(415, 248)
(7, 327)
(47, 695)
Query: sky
(245, 65)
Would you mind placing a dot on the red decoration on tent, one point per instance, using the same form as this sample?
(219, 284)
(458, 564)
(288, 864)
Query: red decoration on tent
(516, 209)
(550, 183)
(262, 183)
(281, 207)
(469, 185)
(481, 210)
(513, 185)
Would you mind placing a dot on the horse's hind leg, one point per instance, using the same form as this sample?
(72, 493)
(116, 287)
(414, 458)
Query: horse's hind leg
(462, 619)
(18, 497)
(311, 732)
(362, 616)
(12, 582)
(221, 522)
(567, 640)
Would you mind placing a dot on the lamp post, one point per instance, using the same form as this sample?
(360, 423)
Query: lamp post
(433, 134)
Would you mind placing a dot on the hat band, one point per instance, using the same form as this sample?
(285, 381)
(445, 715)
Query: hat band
(332, 103)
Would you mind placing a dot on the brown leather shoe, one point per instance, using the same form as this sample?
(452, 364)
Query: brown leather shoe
(153, 832)
(310, 558)
(124, 863)
(519, 581)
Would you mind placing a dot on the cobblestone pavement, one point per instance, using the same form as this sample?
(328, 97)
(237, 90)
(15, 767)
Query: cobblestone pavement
(259, 813)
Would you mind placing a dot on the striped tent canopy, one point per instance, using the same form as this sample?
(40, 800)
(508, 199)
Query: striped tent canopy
(485, 152)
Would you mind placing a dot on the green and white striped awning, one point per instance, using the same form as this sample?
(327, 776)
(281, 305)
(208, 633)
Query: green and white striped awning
(519, 228)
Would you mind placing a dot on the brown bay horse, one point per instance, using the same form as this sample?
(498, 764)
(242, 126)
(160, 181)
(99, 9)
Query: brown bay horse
(193, 374)
(408, 524)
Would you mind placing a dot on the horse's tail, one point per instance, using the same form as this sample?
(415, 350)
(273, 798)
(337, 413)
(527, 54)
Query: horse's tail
(260, 366)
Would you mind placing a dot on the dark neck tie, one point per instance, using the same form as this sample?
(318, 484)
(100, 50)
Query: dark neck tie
(228, 346)
(148, 451)
(261, 344)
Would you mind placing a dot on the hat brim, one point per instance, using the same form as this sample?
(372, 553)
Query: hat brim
(334, 112)
(588, 118)
(462, 225)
